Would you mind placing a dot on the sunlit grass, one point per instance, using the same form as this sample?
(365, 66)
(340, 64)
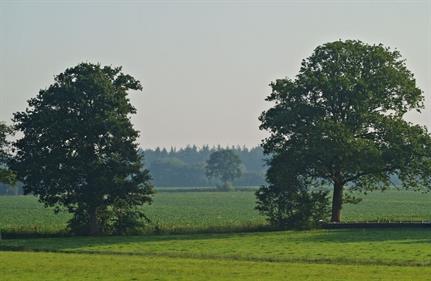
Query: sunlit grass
(52, 267)
(356, 246)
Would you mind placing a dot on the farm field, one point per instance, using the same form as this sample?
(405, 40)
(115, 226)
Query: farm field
(394, 254)
(188, 212)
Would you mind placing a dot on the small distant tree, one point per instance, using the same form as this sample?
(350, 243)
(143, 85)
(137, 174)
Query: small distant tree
(79, 149)
(224, 165)
(340, 122)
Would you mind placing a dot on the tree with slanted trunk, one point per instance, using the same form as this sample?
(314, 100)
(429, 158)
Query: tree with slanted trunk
(340, 122)
(79, 149)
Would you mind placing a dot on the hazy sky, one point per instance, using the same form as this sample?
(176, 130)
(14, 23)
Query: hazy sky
(205, 65)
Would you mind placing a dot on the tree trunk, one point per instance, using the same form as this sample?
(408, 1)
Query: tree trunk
(94, 227)
(337, 201)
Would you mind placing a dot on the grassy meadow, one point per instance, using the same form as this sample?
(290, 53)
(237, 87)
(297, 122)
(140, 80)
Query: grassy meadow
(401, 247)
(395, 254)
(203, 211)
(200, 253)
(16, 266)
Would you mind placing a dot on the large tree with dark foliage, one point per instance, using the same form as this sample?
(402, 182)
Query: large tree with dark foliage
(340, 122)
(6, 175)
(79, 149)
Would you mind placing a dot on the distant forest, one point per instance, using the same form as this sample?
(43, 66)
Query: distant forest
(186, 166)
(6, 189)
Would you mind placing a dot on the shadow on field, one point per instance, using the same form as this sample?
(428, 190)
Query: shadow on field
(411, 236)
(79, 242)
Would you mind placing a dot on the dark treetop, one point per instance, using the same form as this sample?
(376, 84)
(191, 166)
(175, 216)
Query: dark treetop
(341, 121)
(79, 147)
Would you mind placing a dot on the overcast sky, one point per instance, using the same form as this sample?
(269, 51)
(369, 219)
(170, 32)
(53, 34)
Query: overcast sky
(205, 65)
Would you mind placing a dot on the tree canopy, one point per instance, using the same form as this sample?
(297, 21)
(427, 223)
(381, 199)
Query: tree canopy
(225, 165)
(340, 122)
(79, 149)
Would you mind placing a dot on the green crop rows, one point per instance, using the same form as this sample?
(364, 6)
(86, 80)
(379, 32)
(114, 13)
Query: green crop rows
(187, 212)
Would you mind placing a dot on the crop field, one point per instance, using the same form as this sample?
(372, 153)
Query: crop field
(395, 254)
(190, 212)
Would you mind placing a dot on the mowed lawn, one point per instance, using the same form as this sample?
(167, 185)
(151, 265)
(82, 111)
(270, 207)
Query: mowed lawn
(404, 247)
(385, 254)
(19, 266)
(188, 212)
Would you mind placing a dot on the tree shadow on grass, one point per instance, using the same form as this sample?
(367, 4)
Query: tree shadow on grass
(80, 242)
(411, 236)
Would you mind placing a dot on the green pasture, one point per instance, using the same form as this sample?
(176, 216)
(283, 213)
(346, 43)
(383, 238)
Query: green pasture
(202, 211)
(402, 247)
(18, 266)
(396, 254)
(44, 266)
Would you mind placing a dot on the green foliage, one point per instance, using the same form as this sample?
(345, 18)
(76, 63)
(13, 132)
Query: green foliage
(79, 149)
(289, 201)
(340, 122)
(225, 165)
(6, 175)
(287, 208)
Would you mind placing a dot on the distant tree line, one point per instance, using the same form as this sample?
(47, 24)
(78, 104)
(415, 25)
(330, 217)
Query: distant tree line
(9, 189)
(186, 166)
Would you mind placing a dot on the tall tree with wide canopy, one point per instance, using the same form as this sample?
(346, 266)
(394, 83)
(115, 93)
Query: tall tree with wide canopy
(79, 149)
(340, 121)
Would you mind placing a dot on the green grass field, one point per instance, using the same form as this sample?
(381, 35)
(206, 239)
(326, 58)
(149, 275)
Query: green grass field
(367, 247)
(395, 254)
(187, 212)
(357, 254)
(45, 266)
